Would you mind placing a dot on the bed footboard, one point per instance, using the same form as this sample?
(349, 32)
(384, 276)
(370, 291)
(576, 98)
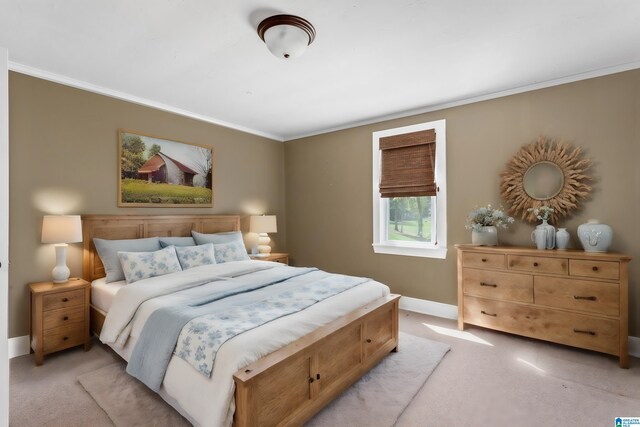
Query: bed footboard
(290, 385)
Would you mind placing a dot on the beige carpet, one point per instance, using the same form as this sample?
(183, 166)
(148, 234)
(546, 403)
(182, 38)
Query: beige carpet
(487, 379)
(378, 398)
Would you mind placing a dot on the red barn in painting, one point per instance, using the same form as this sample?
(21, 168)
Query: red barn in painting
(163, 169)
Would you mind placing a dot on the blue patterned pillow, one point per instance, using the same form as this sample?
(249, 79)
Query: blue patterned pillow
(233, 251)
(195, 256)
(142, 265)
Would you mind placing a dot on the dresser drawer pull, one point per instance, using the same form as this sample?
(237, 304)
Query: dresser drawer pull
(65, 318)
(368, 340)
(493, 285)
(483, 260)
(594, 268)
(535, 264)
(589, 298)
(580, 331)
(489, 314)
(65, 338)
(65, 299)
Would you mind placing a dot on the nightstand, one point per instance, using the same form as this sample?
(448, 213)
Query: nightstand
(281, 258)
(59, 316)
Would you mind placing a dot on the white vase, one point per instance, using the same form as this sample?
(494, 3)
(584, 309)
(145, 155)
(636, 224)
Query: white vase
(595, 237)
(486, 236)
(539, 237)
(562, 239)
(551, 233)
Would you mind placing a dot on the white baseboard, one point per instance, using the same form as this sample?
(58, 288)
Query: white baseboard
(433, 308)
(634, 346)
(449, 311)
(19, 346)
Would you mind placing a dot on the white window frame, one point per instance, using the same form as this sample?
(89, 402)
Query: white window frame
(380, 205)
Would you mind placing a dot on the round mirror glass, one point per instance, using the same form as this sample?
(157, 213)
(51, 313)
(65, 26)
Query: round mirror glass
(543, 181)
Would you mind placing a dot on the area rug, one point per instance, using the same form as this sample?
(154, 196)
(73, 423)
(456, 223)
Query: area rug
(377, 399)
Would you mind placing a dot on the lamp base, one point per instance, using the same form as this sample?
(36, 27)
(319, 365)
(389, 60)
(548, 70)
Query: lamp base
(263, 244)
(60, 272)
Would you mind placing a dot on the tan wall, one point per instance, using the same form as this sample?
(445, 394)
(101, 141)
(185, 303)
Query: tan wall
(63, 159)
(329, 196)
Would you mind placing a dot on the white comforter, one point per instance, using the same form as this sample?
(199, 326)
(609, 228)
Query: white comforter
(209, 401)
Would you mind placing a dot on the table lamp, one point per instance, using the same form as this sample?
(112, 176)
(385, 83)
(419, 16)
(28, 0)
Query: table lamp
(60, 230)
(262, 225)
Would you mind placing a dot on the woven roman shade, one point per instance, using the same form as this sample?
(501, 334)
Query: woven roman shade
(407, 166)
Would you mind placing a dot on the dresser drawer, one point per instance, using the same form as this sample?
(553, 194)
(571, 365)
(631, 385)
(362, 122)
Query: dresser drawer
(63, 316)
(63, 299)
(63, 337)
(596, 269)
(579, 330)
(483, 260)
(498, 285)
(538, 264)
(576, 294)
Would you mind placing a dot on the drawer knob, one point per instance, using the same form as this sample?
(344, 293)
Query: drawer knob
(483, 260)
(580, 331)
(368, 340)
(65, 338)
(535, 264)
(589, 298)
(65, 299)
(594, 268)
(65, 318)
(310, 379)
(489, 314)
(492, 285)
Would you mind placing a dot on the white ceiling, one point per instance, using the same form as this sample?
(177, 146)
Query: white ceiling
(370, 59)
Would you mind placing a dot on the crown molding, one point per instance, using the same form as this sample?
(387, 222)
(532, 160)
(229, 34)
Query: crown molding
(485, 97)
(90, 87)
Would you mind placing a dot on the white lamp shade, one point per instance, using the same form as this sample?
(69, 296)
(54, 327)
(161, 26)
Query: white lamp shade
(263, 224)
(286, 41)
(61, 229)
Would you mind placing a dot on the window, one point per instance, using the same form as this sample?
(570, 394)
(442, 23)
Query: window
(409, 190)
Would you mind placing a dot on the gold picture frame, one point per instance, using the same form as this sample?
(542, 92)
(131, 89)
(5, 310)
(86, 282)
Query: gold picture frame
(160, 172)
(573, 187)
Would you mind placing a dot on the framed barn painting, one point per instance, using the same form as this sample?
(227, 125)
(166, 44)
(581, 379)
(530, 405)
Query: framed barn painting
(157, 172)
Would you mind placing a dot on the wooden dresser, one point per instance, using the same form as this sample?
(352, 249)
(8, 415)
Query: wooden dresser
(59, 316)
(569, 297)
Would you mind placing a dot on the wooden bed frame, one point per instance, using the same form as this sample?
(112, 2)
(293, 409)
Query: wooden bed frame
(290, 385)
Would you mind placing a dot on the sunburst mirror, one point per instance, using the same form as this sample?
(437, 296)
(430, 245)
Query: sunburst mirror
(546, 172)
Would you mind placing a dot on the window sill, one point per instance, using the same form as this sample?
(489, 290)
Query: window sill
(439, 253)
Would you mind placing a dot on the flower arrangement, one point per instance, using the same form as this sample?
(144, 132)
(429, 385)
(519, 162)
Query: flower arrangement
(487, 216)
(543, 212)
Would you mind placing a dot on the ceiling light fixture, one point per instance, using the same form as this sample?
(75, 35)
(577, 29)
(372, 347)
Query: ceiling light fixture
(286, 36)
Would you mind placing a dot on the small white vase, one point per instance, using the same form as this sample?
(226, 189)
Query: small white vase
(562, 239)
(539, 237)
(595, 237)
(551, 233)
(486, 236)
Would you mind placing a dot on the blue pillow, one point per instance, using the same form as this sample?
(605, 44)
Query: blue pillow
(217, 238)
(142, 265)
(177, 241)
(232, 251)
(108, 252)
(195, 256)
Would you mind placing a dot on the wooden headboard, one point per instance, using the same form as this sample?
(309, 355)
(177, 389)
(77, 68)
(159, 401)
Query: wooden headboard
(115, 227)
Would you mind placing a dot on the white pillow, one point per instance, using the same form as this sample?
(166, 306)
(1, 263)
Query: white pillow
(142, 265)
(217, 238)
(195, 256)
(233, 251)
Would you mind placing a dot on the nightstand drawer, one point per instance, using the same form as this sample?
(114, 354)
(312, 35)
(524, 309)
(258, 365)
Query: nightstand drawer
(63, 316)
(64, 337)
(596, 269)
(575, 294)
(536, 264)
(63, 299)
(483, 260)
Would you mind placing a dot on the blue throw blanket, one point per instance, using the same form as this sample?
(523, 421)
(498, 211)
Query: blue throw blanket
(201, 326)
